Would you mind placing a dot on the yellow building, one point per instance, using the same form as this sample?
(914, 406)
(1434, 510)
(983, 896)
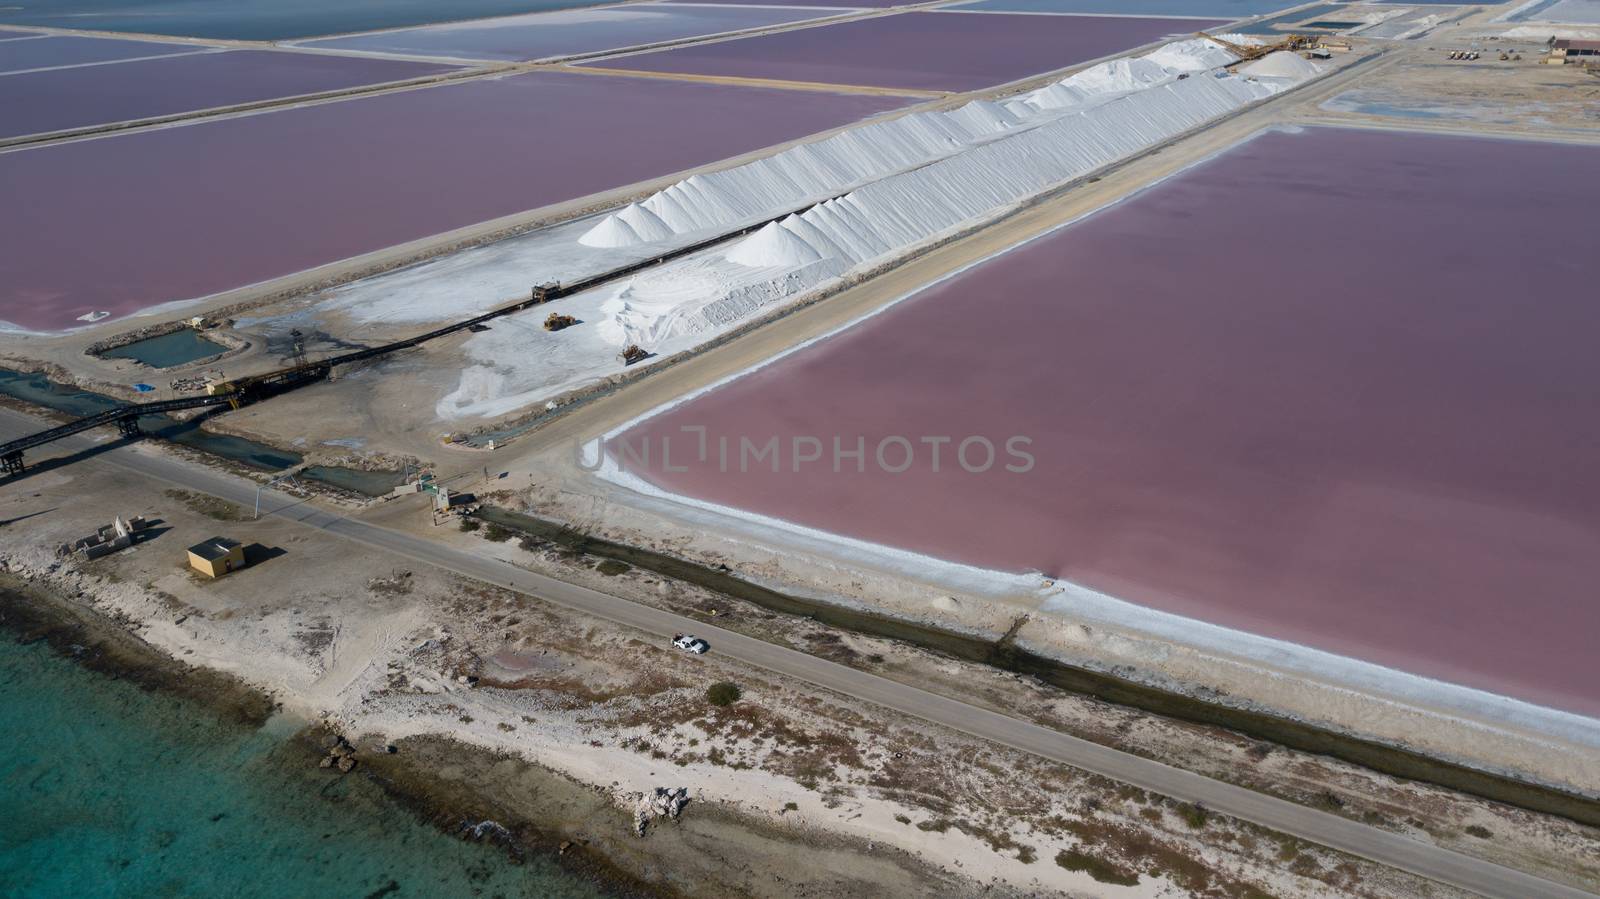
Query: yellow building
(217, 556)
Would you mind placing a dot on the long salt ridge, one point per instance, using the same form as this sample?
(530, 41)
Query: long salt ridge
(1067, 129)
(1100, 118)
(826, 168)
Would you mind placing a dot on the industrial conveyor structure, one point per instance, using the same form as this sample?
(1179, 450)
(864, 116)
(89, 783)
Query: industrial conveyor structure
(238, 392)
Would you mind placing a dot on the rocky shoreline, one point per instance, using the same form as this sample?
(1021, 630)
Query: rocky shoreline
(29, 614)
(468, 791)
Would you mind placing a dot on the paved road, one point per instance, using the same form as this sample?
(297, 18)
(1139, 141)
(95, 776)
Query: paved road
(1381, 846)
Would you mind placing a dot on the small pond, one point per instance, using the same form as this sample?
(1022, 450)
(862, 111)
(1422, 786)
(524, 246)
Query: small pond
(177, 348)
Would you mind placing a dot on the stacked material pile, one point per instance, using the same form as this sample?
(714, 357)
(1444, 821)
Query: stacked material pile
(826, 168)
(880, 192)
(1078, 125)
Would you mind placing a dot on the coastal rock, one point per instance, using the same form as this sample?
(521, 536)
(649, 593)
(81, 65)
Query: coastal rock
(662, 802)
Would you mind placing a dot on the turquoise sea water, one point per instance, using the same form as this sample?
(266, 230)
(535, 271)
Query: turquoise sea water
(259, 20)
(109, 790)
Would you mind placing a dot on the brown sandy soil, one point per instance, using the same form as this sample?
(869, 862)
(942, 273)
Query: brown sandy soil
(1485, 95)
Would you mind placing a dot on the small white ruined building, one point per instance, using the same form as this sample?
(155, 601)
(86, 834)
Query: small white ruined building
(109, 538)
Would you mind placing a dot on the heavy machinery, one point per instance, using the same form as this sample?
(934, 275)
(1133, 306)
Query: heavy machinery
(555, 321)
(632, 354)
(1246, 54)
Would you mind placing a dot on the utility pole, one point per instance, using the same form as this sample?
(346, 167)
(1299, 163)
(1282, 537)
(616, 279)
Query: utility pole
(286, 476)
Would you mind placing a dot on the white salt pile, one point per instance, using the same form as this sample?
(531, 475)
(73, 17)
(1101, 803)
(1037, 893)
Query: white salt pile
(1101, 115)
(1196, 55)
(645, 223)
(1281, 64)
(890, 215)
(611, 232)
(936, 173)
(773, 245)
(826, 168)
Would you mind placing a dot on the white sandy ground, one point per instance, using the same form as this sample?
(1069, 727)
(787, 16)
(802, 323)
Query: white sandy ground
(1565, 12)
(1544, 32)
(387, 663)
(1394, 22)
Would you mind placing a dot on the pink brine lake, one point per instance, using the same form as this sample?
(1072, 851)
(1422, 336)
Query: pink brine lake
(80, 96)
(917, 50)
(126, 222)
(1335, 387)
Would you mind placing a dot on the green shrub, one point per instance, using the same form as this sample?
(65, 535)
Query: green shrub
(469, 525)
(723, 693)
(496, 533)
(1193, 815)
(1100, 869)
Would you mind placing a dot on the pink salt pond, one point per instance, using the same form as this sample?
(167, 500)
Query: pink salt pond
(122, 223)
(1336, 387)
(917, 50)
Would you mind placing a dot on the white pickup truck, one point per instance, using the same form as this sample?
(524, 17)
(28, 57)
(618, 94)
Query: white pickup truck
(690, 643)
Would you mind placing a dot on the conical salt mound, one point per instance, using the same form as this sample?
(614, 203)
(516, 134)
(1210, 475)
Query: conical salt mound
(611, 232)
(646, 224)
(1280, 64)
(773, 246)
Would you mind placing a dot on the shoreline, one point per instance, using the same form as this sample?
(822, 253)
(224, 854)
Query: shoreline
(473, 791)
(30, 613)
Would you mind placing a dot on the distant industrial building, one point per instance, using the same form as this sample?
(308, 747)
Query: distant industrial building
(217, 556)
(1570, 52)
